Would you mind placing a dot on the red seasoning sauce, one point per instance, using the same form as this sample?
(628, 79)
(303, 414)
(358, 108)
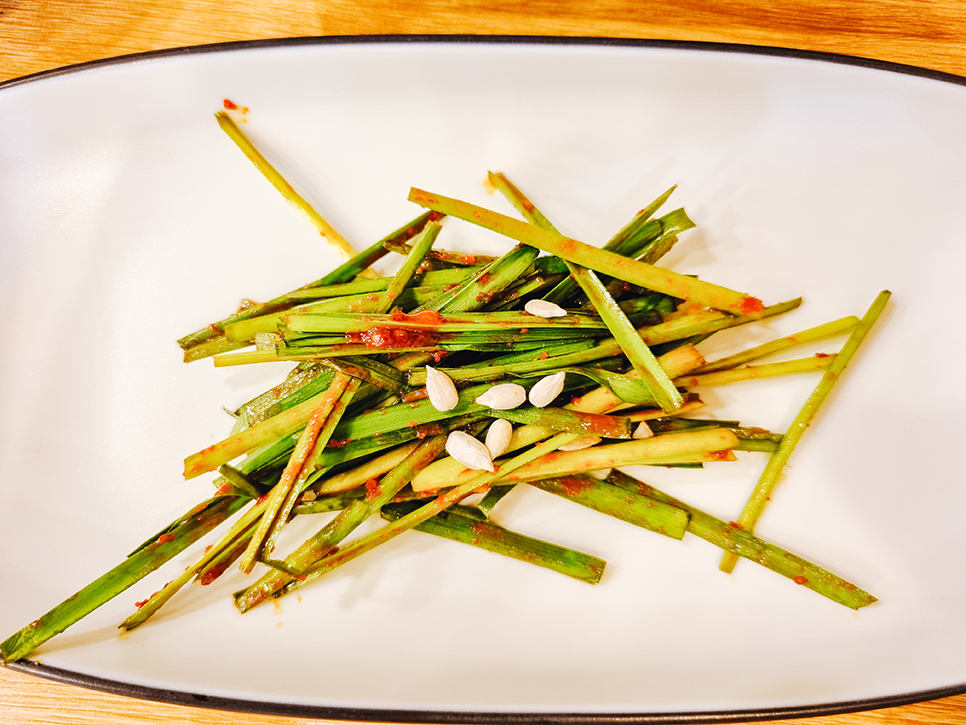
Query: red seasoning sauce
(382, 337)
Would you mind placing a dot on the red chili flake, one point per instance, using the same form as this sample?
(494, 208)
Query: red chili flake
(166, 538)
(821, 354)
(736, 525)
(750, 305)
(141, 603)
(372, 489)
(544, 355)
(800, 580)
(575, 486)
(230, 105)
(224, 489)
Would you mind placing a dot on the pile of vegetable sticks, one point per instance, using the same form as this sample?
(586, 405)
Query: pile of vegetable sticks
(351, 430)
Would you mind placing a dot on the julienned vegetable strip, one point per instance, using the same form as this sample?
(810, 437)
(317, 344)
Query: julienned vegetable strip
(278, 181)
(599, 260)
(769, 477)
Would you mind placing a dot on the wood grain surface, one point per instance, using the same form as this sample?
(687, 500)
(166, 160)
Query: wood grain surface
(39, 36)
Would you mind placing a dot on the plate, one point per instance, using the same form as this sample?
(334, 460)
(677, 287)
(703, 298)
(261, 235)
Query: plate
(129, 219)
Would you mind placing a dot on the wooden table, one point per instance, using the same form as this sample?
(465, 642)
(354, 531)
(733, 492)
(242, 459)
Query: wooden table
(37, 36)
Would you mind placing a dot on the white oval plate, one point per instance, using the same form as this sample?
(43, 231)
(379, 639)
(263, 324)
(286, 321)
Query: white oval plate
(128, 219)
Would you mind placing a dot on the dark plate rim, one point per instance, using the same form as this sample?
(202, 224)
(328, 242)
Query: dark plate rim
(178, 697)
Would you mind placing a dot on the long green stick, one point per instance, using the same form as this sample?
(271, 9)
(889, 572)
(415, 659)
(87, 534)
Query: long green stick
(599, 260)
(776, 463)
(746, 545)
(205, 518)
(229, 126)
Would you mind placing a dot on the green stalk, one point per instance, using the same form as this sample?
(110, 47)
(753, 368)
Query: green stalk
(734, 540)
(241, 529)
(189, 529)
(422, 244)
(457, 322)
(275, 515)
(569, 421)
(776, 463)
(244, 332)
(664, 448)
(344, 272)
(770, 348)
(754, 372)
(648, 513)
(640, 356)
(490, 537)
(458, 259)
(599, 260)
(264, 433)
(486, 284)
(361, 286)
(284, 187)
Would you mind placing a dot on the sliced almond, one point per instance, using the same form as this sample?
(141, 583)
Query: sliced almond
(546, 390)
(505, 396)
(581, 443)
(441, 389)
(542, 308)
(642, 431)
(470, 452)
(498, 436)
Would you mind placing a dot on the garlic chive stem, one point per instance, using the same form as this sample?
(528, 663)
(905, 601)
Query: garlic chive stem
(658, 449)
(490, 537)
(754, 372)
(280, 492)
(239, 529)
(421, 246)
(203, 519)
(605, 498)
(770, 348)
(776, 463)
(599, 260)
(455, 322)
(744, 544)
(341, 274)
(284, 187)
